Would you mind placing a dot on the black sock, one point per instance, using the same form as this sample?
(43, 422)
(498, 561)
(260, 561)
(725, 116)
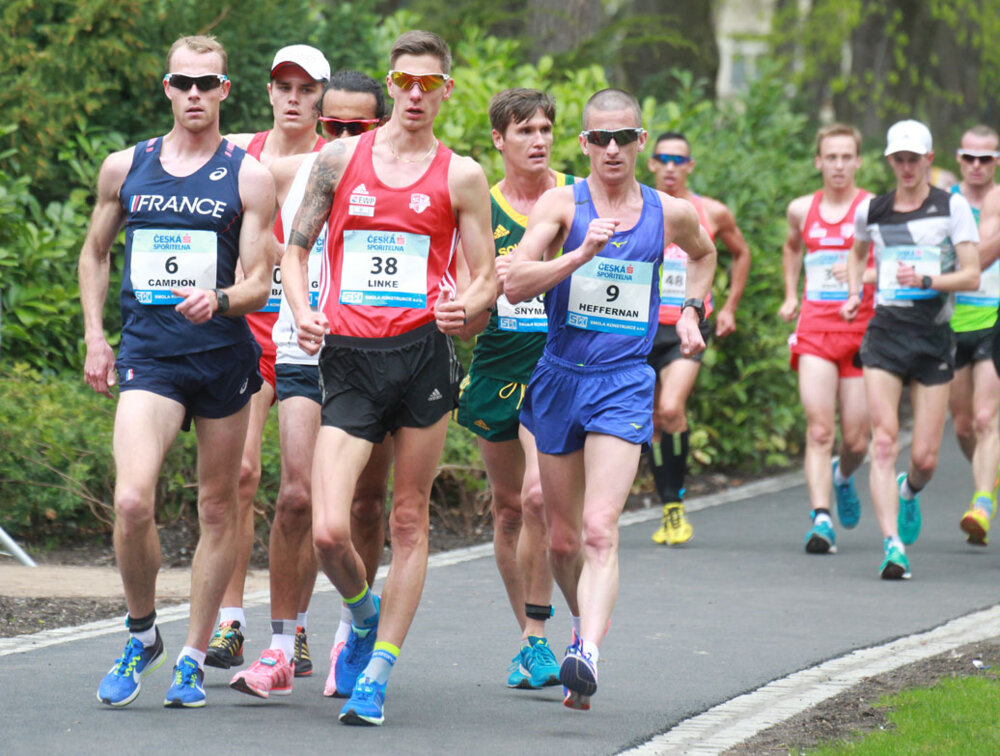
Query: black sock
(141, 624)
(668, 461)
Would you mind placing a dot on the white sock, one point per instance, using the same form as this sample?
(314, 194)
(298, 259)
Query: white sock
(234, 614)
(344, 628)
(576, 625)
(198, 656)
(301, 619)
(839, 479)
(286, 643)
(905, 491)
(146, 637)
(591, 648)
(823, 517)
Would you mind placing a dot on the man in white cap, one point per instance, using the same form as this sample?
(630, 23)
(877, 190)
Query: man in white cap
(298, 75)
(925, 242)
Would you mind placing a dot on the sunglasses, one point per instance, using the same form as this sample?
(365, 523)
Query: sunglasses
(603, 137)
(335, 127)
(675, 159)
(204, 83)
(972, 157)
(426, 82)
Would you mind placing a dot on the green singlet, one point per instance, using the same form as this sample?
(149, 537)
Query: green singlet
(505, 354)
(972, 317)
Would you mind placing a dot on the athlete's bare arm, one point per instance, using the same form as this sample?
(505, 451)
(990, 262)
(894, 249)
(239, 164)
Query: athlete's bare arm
(681, 226)
(470, 197)
(791, 256)
(989, 229)
(536, 265)
(474, 325)
(856, 261)
(95, 266)
(964, 278)
(733, 240)
(308, 223)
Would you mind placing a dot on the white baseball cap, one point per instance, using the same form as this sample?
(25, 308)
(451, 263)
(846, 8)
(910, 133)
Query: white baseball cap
(908, 136)
(309, 59)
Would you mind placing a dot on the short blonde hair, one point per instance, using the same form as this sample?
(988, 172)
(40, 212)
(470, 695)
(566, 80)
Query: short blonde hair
(838, 129)
(200, 43)
(419, 42)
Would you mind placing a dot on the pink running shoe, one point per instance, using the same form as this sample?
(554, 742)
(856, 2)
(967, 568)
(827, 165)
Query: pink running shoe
(269, 674)
(330, 689)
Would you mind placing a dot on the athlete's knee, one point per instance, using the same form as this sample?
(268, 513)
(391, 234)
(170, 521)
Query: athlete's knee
(924, 458)
(820, 433)
(600, 533)
(331, 540)
(250, 472)
(294, 504)
(532, 503)
(564, 544)
(984, 422)
(368, 507)
(671, 414)
(408, 524)
(507, 515)
(885, 446)
(133, 511)
(216, 510)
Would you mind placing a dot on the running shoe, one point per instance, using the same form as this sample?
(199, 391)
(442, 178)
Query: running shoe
(821, 540)
(675, 528)
(543, 665)
(520, 675)
(848, 503)
(366, 704)
(976, 524)
(330, 688)
(895, 566)
(271, 673)
(186, 692)
(225, 649)
(908, 521)
(303, 663)
(356, 655)
(121, 685)
(578, 674)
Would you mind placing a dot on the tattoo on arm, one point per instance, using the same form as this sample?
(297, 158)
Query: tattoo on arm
(318, 199)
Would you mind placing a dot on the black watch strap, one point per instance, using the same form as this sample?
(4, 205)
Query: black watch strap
(698, 305)
(223, 300)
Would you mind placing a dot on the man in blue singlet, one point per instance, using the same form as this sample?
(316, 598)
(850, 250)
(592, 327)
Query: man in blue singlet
(191, 207)
(589, 403)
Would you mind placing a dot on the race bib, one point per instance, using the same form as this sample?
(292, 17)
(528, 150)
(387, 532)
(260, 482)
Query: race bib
(611, 296)
(673, 277)
(163, 259)
(524, 317)
(314, 264)
(925, 260)
(821, 284)
(988, 294)
(384, 269)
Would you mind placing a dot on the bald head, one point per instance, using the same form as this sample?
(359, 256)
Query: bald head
(608, 100)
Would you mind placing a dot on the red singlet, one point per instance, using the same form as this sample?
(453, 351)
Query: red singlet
(673, 276)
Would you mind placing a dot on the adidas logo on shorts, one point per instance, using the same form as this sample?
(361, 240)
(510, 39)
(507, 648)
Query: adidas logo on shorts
(434, 396)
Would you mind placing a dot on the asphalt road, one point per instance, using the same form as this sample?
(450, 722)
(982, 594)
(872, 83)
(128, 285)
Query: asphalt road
(741, 605)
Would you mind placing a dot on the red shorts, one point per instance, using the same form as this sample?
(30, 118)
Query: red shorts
(838, 347)
(261, 324)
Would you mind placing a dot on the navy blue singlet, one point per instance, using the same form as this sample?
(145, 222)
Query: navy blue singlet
(179, 231)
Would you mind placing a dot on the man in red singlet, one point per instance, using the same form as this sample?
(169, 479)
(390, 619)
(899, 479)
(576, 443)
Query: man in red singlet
(297, 76)
(671, 164)
(396, 200)
(824, 345)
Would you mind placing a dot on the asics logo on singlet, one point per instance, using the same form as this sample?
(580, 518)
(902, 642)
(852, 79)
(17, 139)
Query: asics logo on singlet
(243, 388)
(159, 203)
(217, 174)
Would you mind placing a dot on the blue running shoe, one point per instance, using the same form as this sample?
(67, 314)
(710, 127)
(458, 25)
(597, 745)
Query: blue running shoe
(356, 655)
(908, 520)
(186, 692)
(121, 685)
(895, 566)
(520, 675)
(848, 503)
(544, 667)
(367, 704)
(821, 540)
(578, 674)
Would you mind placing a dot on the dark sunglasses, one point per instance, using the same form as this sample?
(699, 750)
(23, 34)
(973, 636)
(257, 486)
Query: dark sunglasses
(970, 157)
(204, 83)
(603, 137)
(335, 127)
(675, 159)
(426, 82)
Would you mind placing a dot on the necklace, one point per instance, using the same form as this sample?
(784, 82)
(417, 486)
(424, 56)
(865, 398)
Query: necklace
(422, 158)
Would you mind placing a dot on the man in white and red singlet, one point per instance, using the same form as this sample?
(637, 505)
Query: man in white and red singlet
(298, 73)
(824, 346)
(397, 201)
(676, 373)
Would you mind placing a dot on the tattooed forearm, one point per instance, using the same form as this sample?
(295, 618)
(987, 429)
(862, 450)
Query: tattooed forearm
(318, 199)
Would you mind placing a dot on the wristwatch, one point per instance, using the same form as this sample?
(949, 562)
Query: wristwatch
(925, 282)
(223, 300)
(698, 305)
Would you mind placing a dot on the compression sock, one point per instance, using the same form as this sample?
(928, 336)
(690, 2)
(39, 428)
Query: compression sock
(668, 462)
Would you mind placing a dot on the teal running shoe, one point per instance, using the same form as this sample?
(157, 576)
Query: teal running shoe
(121, 685)
(895, 566)
(848, 503)
(356, 655)
(821, 540)
(367, 704)
(908, 521)
(186, 692)
(520, 675)
(544, 667)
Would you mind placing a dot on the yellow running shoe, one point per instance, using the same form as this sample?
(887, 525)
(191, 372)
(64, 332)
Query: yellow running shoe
(675, 528)
(976, 524)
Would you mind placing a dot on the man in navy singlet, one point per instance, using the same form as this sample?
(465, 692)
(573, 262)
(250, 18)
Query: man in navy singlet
(590, 400)
(192, 208)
